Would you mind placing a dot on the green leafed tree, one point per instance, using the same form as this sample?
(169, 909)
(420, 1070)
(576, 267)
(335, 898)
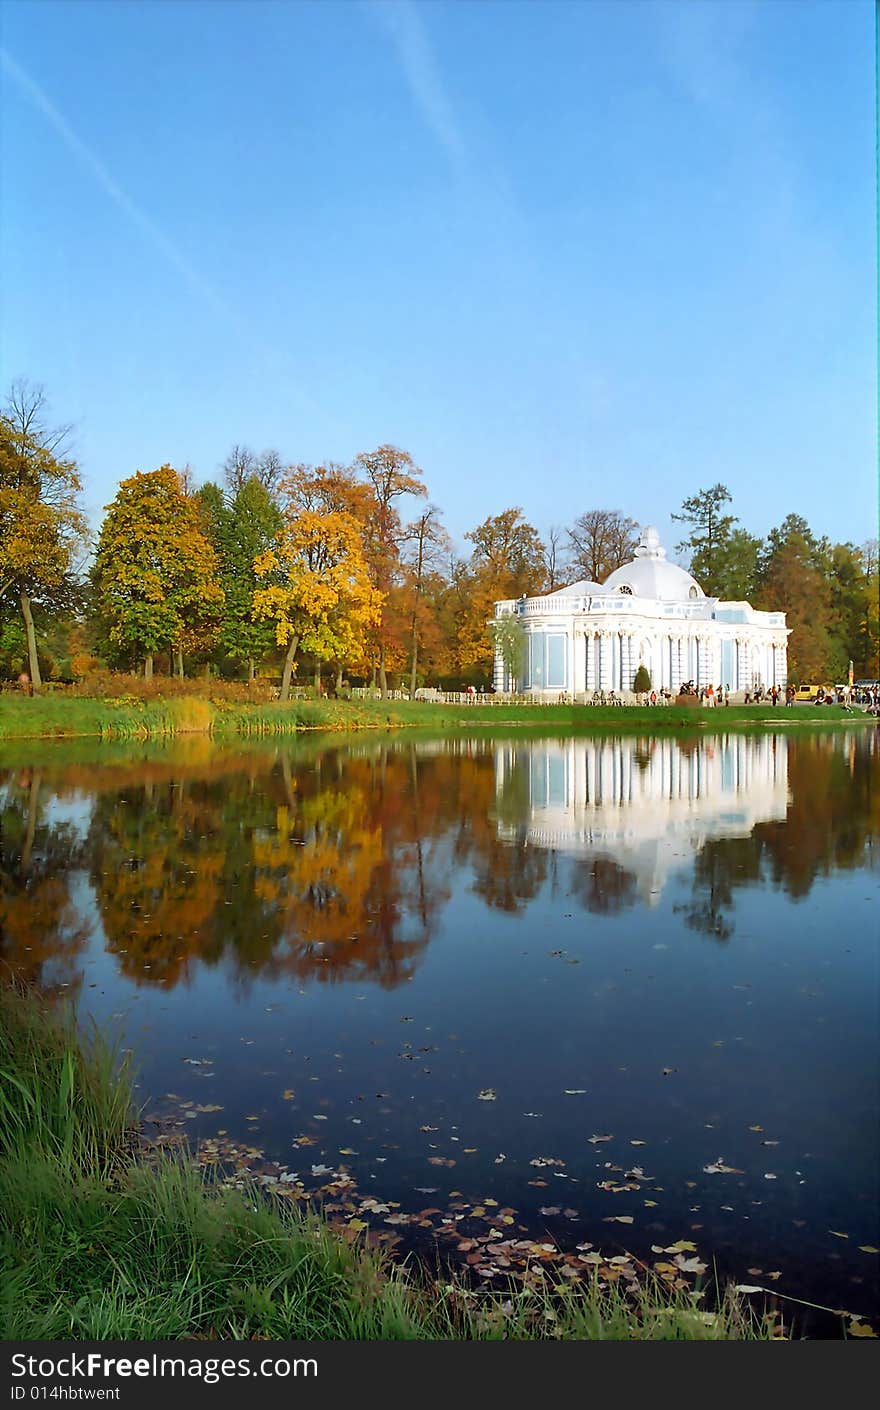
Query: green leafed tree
(156, 577)
(510, 639)
(42, 528)
(241, 529)
(709, 538)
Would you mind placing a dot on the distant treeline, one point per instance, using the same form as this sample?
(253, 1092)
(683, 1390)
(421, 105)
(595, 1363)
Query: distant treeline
(333, 573)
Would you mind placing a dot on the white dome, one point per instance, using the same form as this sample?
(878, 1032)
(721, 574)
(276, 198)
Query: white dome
(651, 575)
(582, 588)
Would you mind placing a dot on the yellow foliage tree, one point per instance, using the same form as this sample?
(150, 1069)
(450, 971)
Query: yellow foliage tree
(318, 589)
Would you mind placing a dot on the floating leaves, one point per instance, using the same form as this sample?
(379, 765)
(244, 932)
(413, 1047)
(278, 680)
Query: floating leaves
(719, 1168)
(488, 1094)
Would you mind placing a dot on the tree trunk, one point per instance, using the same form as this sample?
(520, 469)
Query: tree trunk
(415, 658)
(415, 615)
(338, 680)
(318, 681)
(33, 661)
(383, 679)
(251, 670)
(148, 667)
(179, 656)
(288, 667)
(30, 834)
(373, 679)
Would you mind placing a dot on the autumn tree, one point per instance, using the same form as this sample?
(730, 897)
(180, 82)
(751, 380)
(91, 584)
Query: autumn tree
(155, 577)
(427, 543)
(599, 541)
(392, 475)
(316, 587)
(792, 578)
(507, 561)
(42, 527)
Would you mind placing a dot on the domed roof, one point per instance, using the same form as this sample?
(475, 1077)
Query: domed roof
(582, 588)
(650, 575)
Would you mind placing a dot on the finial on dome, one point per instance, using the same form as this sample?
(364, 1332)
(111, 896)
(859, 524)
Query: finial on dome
(649, 545)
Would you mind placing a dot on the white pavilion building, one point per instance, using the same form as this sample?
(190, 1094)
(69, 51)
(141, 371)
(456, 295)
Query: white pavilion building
(591, 636)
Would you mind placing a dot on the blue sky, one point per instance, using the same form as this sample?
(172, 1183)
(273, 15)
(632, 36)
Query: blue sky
(570, 256)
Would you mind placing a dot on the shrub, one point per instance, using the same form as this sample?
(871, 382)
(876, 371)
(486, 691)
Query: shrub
(642, 682)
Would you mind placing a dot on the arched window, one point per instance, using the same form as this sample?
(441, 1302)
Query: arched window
(694, 592)
(626, 589)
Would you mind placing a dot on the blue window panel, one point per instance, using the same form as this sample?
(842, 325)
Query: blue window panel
(556, 662)
(536, 660)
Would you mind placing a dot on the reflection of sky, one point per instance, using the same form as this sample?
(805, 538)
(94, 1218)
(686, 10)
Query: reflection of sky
(647, 805)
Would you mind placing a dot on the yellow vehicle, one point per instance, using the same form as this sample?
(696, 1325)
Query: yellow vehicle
(810, 692)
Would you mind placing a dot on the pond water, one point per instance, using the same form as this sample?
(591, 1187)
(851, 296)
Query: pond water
(559, 980)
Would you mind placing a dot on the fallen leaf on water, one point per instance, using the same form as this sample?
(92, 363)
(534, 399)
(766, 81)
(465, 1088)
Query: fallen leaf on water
(689, 1265)
(719, 1168)
(756, 1128)
(575, 1091)
(594, 1140)
(288, 1094)
(488, 1094)
(837, 1234)
(868, 1248)
(618, 1219)
(860, 1329)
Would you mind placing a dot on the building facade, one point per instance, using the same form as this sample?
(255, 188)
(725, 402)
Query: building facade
(592, 637)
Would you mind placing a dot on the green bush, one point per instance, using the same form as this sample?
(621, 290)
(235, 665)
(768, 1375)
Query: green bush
(642, 682)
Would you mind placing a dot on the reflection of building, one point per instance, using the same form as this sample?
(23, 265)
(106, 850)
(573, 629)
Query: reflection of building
(649, 613)
(648, 804)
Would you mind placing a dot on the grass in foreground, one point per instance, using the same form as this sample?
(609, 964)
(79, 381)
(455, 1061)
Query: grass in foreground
(95, 1244)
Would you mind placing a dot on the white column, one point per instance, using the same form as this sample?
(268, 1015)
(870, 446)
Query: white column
(590, 649)
(604, 661)
(578, 678)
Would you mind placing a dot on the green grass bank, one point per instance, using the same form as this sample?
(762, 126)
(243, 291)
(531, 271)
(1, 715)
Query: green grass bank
(101, 1240)
(56, 716)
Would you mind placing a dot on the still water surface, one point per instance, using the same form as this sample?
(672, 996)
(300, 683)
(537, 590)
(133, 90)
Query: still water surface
(446, 968)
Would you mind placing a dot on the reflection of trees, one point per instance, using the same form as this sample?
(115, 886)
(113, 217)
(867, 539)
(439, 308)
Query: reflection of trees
(832, 821)
(156, 859)
(41, 931)
(315, 867)
(333, 863)
(602, 886)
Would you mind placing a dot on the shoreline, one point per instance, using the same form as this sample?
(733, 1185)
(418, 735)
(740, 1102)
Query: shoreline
(124, 718)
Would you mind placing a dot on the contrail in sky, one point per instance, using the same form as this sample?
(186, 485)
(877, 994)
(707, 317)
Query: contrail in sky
(147, 226)
(138, 217)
